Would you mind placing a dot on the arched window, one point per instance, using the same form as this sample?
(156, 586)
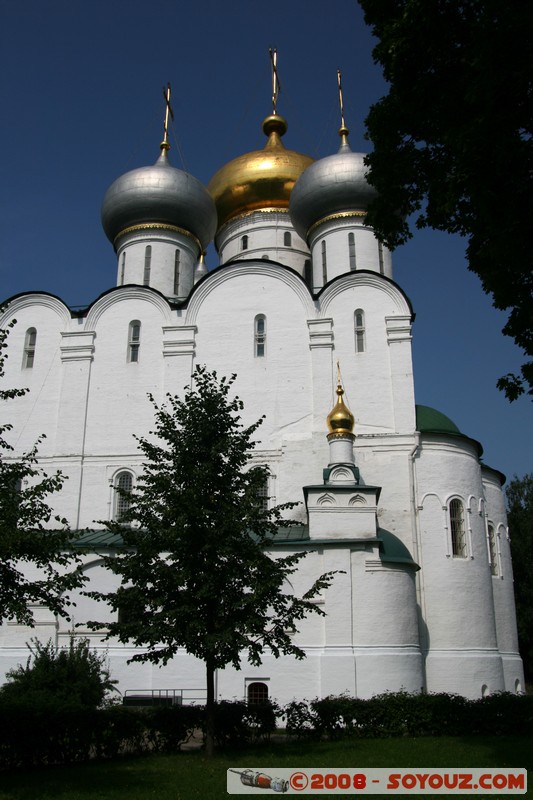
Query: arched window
(244, 242)
(122, 490)
(257, 693)
(493, 551)
(287, 239)
(380, 256)
(260, 336)
(147, 264)
(351, 251)
(29, 348)
(324, 263)
(177, 258)
(122, 268)
(457, 528)
(134, 341)
(263, 495)
(359, 330)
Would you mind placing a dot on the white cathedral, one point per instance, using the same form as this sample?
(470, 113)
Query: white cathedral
(393, 494)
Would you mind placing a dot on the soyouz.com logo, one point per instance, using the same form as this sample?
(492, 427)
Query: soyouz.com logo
(261, 781)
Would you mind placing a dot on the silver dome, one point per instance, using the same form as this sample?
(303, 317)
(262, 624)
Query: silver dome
(334, 184)
(159, 194)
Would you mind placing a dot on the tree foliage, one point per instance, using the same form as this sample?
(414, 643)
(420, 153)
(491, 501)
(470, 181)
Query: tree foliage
(452, 141)
(32, 538)
(73, 676)
(520, 514)
(195, 574)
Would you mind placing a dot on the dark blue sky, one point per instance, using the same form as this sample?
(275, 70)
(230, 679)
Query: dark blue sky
(81, 99)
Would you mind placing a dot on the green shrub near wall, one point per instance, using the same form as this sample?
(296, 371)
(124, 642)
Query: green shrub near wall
(41, 732)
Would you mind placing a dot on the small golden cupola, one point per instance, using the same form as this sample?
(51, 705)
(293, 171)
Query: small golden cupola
(340, 419)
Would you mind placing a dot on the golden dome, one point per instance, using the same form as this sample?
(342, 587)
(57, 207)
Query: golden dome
(262, 179)
(340, 419)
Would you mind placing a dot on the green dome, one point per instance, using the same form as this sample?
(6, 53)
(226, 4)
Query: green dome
(429, 420)
(392, 550)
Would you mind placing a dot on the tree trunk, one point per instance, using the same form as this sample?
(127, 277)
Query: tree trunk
(210, 709)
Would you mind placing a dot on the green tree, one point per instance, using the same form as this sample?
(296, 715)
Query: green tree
(452, 141)
(75, 676)
(36, 557)
(520, 513)
(195, 573)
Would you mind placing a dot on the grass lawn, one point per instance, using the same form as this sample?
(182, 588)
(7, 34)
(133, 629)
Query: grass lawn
(187, 776)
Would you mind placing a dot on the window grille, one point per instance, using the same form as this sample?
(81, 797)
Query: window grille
(123, 487)
(493, 552)
(263, 495)
(457, 528)
(287, 239)
(260, 336)
(147, 264)
(134, 341)
(351, 251)
(257, 693)
(29, 348)
(359, 330)
(324, 264)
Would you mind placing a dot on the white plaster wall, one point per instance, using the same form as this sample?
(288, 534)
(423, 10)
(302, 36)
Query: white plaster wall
(265, 231)
(164, 244)
(456, 593)
(502, 584)
(334, 232)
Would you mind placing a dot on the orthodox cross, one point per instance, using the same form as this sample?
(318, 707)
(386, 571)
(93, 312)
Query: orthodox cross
(276, 86)
(168, 112)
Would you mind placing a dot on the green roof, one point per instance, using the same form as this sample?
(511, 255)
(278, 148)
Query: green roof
(393, 550)
(429, 420)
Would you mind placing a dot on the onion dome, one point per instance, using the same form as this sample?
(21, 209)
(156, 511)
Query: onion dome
(159, 196)
(334, 185)
(340, 419)
(262, 179)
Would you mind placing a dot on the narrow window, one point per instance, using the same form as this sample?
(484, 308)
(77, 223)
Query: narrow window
(359, 330)
(123, 268)
(134, 341)
(324, 264)
(351, 251)
(177, 257)
(262, 495)
(29, 348)
(457, 528)
(493, 552)
(259, 336)
(380, 256)
(244, 243)
(257, 693)
(147, 264)
(308, 273)
(287, 239)
(122, 502)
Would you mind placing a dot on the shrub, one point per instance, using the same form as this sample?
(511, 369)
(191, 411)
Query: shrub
(75, 676)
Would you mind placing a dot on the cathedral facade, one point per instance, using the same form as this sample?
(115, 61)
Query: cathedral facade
(393, 495)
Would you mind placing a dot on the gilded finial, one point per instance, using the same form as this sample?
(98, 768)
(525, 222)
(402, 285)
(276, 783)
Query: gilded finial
(343, 130)
(276, 86)
(165, 145)
(340, 419)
